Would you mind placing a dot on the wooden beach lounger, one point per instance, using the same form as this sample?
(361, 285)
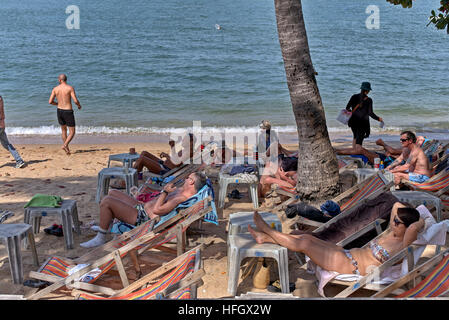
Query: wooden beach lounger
(435, 284)
(135, 242)
(176, 279)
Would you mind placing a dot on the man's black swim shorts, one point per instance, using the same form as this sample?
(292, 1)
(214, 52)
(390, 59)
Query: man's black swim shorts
(66, 118)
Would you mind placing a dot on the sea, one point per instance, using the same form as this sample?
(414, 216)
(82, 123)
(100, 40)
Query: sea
(156, 66)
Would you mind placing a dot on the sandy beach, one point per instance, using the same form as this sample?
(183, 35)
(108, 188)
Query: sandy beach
(50, 171)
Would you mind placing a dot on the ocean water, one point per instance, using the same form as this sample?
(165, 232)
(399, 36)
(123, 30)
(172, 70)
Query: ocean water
(156, 66)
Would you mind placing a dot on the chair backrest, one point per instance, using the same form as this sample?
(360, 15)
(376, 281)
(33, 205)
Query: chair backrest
(167, 283)
(435, 284)
(435, 183)
(367, 188)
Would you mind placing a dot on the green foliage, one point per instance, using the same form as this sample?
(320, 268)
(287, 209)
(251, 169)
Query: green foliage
(439, 19)
(403, 3)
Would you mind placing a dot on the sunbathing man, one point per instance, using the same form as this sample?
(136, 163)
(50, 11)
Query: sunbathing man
(159, 166)
(405, 223)
(416, 167)
(127, 209)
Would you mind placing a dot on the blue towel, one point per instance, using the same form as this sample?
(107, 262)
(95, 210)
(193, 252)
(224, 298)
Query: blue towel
(121, 227)
(361, 156)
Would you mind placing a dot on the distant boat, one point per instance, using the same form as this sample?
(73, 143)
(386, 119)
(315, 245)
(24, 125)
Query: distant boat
(217, 26)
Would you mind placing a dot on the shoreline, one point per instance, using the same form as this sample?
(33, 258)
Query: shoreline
(284, 137)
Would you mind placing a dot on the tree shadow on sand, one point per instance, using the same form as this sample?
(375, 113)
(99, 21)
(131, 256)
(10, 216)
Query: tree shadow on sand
(92, 150)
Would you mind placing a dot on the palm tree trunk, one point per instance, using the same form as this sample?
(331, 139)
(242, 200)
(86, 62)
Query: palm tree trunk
(317, 166)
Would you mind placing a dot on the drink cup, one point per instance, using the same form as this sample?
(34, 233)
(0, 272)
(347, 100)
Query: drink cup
(376, 163)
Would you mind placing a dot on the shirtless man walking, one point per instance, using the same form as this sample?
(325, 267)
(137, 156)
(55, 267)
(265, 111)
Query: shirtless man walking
(64, 94)
(417, 166)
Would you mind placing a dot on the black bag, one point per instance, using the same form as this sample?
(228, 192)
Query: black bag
(306, 211)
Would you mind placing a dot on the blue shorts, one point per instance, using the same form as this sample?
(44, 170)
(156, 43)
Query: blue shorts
(419, 178)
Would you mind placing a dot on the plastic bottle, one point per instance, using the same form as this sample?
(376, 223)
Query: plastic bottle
(381, 166)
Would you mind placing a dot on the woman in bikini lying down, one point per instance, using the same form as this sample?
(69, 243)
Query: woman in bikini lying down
(405, 223)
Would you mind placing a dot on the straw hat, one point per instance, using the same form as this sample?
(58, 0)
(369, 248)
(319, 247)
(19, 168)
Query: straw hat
(265, 124)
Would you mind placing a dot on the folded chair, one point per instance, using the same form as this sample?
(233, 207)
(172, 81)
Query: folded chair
(389, 271)
(358, 194)
(363, 190)
(435, 284)
(103, 258)
(177, 279)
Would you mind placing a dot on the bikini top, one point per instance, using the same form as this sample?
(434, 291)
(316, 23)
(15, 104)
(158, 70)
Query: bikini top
(379, 252)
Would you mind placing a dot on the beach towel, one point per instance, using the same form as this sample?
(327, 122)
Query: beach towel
(44, 200)
(207, 190)
(241, 169)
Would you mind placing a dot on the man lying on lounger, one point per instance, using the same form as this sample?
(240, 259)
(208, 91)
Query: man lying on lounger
(173, 160)
(127, 209)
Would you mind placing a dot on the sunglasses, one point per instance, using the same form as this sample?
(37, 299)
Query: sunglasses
(403, 140)
(397, 222)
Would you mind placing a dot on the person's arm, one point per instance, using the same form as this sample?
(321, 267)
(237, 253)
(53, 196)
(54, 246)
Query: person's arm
(52, 98)
(371, 112)
(410, 163)
(2, 110)
(351, 103)
(411, 234)
(396, 162)
(75, 99)
(163, 207)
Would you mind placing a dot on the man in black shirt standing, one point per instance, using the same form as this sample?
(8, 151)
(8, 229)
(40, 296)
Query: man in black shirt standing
(361, 107)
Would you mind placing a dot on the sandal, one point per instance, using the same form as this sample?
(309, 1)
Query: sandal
(55, 230)
(235, 194)
(49, 230)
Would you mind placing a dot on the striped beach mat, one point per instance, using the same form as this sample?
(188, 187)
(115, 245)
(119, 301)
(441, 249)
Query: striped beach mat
(436, 283)
(177, 274)
(375, 183)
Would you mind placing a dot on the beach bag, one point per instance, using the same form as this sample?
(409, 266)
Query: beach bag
(344, 116)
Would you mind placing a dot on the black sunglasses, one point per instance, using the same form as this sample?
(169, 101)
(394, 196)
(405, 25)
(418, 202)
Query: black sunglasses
(397, 222)
(403, 140)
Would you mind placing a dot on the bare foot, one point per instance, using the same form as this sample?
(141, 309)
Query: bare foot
(66, 149)
(260, 237)
(260, 223)
(380, 142)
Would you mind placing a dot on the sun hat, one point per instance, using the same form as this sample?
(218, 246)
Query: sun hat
(366, 86)
(265, 124)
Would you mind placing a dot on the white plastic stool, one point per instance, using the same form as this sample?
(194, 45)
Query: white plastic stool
(12, 234)
(126, 158)
(106, 174)
(238, 221)
(67, 212)
(242, 246)
(225, 179)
